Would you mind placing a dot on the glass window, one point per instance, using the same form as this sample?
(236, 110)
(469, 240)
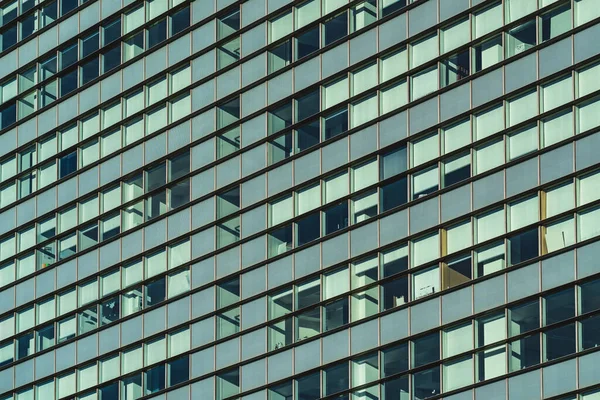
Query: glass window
(489, 225)
(424, 83)
(523, 212)
(522, 142)
(522, 108)
(588, 188)
(521, 38)
(425, 182)
(281, 26)
(423, 51)
(455, 35)
(557, 127)
(556, 22)
(489, 155)
(425, 149)
(393, 64)
(458, 237)
(426, 282)
(556, 93)
(364, 79)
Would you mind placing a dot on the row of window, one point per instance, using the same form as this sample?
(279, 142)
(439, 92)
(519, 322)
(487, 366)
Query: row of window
(458, 345)
(30, 102)
(92, 151)
(88, 209)
(553, 310)
(106, 117)
(304, 107)
(11, 33)
(123, 363)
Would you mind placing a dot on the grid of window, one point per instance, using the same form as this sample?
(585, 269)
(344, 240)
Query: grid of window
(324, 199)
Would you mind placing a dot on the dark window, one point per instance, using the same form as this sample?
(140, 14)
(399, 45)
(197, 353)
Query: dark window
(308, 229)
(181, 20)
(560, 306)
(523, 246)
(390, 7)
(395, 359)
(525, 352)
(180, 166)
(109, 311)
(90, 70)
(455, 68)
(155, 292)
(157, 33)
(335, 28)
(307, 43)
(307, 135)
(28, 26)
(155, 379)
(336, 218)
(68, 83)
(26, 5)
(111, 31)
(560, 341)
(395, 293)
(112, 58)
(180, 194)
(393, 194)
(68, 56)
(279, 119)
(67, 5)
(179, 371)
(590, 296)
(590, 332)
(524, 318)
(336, 379)
(335, 314)
(308, 387)
(24, 345)
(90, 44)
(9, 37)
(396, 388)
(335, 123)
(110, 392)
(49, 13)
(426, 349)
(307, 105)
(426, 383)
(67, 164)
(8, 114)
(280, 56)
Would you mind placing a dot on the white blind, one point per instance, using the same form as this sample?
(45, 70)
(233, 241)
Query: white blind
(132, 360)
(558, 128)
(307, 13)
(522, 108)
(516, 9)
(336, 187)
(179, 342)
(524, 213)
(459, 237)
(156, 351)
(336, 92)
(490, 225)
(282, 211)
(489, 122)
(336, 283)
(523, 142)
(309, 199)
(426, 249)
(458, 340)
(427, 282)
(425, 180)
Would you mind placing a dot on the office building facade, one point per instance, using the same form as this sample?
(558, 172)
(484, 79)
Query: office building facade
(295, 200)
